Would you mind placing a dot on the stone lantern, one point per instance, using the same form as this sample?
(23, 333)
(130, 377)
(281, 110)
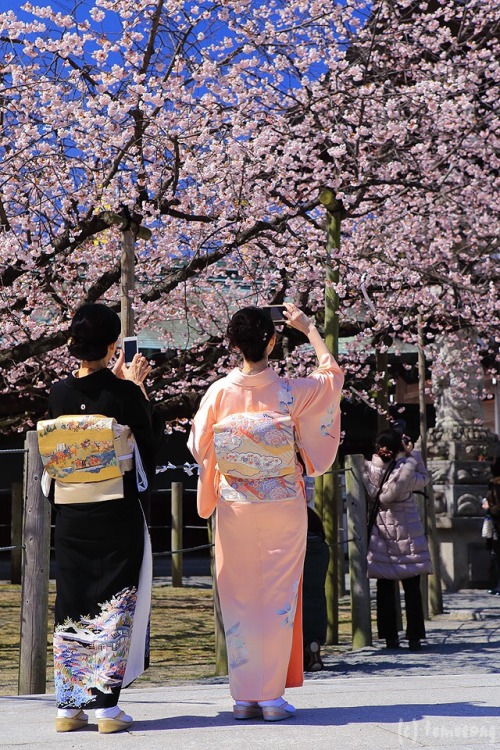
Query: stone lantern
(460, 451)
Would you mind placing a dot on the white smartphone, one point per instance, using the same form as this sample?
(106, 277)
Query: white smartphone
(130, 348)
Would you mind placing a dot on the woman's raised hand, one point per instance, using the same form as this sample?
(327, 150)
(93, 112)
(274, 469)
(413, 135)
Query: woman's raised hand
(137, 371)
(296, 318)
(407, 445)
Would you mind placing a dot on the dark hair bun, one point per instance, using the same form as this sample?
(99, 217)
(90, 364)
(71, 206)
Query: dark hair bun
(93, 328)
(250, 330)
(388, 444)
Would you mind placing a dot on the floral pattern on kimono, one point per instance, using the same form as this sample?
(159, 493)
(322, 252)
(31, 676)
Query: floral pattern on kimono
(237, 653)
(325, 427)
(267, 490)
(288, 611)
(254, 460)
(92, 653)
(285, 396)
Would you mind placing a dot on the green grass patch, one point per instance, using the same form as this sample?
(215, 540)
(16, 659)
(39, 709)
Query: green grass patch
(182, 636)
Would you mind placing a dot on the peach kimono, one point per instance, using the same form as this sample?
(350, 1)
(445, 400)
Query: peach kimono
(261, 530)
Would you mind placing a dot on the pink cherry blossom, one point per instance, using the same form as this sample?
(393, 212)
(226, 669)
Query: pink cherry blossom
(217, 127)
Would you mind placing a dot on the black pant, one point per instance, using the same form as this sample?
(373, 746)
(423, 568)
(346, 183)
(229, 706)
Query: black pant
(495, 554)
(387, 613)
(316, 562)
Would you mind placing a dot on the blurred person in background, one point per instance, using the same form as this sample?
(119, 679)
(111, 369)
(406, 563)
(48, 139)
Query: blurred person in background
(397, 547)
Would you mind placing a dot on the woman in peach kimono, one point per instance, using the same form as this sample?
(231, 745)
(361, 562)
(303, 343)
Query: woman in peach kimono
(245, 437)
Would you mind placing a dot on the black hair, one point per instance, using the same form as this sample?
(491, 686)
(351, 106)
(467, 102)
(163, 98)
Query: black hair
(93, 328)
(388, 444)
(251, 329)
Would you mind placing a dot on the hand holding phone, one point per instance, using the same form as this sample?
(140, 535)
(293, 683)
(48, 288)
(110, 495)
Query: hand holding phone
(295, 318)
(407, 444)
(131, 364)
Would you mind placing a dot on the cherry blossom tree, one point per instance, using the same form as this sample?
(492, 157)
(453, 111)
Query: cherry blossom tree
(217, 125)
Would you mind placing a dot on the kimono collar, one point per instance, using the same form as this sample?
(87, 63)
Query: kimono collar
(98, 379)
(266, 377)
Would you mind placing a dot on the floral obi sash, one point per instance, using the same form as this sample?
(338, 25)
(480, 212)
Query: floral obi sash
(256, 456)
(87, 455)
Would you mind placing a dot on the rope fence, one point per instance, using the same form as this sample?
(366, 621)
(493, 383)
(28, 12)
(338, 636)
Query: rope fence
(188, 468)
(186, 549)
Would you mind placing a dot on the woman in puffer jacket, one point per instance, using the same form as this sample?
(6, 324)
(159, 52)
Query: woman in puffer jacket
(397, 547)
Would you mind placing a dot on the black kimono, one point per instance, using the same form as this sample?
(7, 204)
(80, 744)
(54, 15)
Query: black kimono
(102, 605)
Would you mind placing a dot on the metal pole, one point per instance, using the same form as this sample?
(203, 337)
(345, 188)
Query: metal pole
(330, 483)
(176, 534)
(358, 547)
(35, 579)
(435, 593)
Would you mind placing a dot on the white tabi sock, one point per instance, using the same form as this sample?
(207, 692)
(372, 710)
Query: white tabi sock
(111, 713)
(69, 713)
(279, 702)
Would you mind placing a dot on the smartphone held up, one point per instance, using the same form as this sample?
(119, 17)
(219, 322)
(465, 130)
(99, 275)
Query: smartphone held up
(276, 313)
(130, 348)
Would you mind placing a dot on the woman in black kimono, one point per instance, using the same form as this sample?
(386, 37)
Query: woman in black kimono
(102, 606)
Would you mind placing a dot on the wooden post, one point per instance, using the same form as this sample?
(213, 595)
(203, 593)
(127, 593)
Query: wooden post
(220, 636)
(35, 579)
(16, 531)
(318, 496)
(340, 538)
(131, 230)
(382, 397)
(424, 579)
(356, 531)
(330, 483)
(435, 593)
(127, 282)
(176, 498)
(495, 381)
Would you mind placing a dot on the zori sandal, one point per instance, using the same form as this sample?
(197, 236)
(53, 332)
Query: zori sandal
(247, 712)
(118, 724)
(69, 724)
(278, 713)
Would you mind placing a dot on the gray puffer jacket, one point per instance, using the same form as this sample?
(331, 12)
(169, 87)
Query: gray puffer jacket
(397, 547)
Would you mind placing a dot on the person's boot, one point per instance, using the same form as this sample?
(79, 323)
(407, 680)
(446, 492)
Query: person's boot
(312, 657)
(392, 643)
